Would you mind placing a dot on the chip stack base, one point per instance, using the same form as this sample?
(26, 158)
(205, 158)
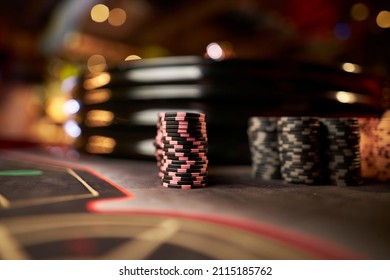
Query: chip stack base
(183, 161)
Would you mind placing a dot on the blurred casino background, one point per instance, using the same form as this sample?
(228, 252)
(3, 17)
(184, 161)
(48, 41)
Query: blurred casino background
(46, 45)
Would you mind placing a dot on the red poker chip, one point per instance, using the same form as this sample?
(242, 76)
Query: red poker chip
(181, 114)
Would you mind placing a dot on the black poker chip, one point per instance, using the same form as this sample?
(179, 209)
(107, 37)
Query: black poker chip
(185, 170)
(175, 186)
(184, 179)
(188, 123)
(185, 151)
(182, 114)
(187, 135)
(182, 119)
(184, 174)
(193, 182)
(184, 126)
(186, 167)
(185, 162)
(185, 143)
(186, 131)
(183, 146)
(196, 168)
(189, 140)
(184, 158)
(185, 154)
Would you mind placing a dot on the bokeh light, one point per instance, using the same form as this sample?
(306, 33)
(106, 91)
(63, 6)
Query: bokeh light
(100, 13)
(359, 12)
(96, 63)
(342, 31)
(214, 51)
(383, 19)
(132, 57)
(351, 67)
(117, 17)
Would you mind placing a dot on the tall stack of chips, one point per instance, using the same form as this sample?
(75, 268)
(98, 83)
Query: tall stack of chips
(263, 144)
(299, 150)
(382, 148)
(343, 151)
(183, 143)
(368, 127)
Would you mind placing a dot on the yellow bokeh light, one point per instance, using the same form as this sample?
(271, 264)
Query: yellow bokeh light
(54, 108)
(117, 17)
(99, 80)
(96, 63)
(345, 97)
(100, 13)
(100, 145)
(351, 67)
(98, 118)
(359, 11)
(383, 19)
(97, 96)
(132, 57)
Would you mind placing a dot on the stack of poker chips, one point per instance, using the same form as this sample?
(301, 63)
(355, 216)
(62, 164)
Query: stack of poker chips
(368, 127)
(263, 145)
(181, 149)
(299, 150)
(343, 137)
(382, 148)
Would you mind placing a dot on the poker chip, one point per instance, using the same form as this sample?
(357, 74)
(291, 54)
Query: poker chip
(189, 140)
(188, 186)
(180, 162)
(299, 150)
(180, 174)
(182, 114)
(343, 152)
(178, 147)
(181, 149)
(184, 126)
(200, 151)
(263, 145)
(185, 143)
(193, 130)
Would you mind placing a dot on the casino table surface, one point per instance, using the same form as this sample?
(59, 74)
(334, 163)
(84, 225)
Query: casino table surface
(109, 208)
